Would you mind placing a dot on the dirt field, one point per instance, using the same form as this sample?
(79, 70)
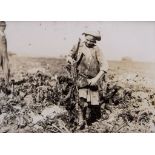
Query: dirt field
(34, 103)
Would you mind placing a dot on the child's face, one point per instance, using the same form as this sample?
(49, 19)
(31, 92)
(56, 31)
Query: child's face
(90, 41)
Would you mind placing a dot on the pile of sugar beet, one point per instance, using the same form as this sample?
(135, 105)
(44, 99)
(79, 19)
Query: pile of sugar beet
(37, 102)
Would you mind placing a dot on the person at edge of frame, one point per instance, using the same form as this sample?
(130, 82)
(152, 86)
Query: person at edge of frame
(91, 67)
(4, 60)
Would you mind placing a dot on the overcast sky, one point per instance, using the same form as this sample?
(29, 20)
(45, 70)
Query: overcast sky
(119, 39)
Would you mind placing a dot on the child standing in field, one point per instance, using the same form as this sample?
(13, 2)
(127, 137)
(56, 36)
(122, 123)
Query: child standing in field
(91, 66)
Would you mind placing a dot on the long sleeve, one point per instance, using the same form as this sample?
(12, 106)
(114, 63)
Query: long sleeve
(74, 52)
(102, 60)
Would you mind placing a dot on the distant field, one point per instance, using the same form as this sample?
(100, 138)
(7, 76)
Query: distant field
(142, 68)
(55, 65)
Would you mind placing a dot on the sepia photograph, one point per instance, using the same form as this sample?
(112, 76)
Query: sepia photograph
(77, 77)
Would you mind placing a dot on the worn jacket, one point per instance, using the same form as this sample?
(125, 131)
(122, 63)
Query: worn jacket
(92, 61)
